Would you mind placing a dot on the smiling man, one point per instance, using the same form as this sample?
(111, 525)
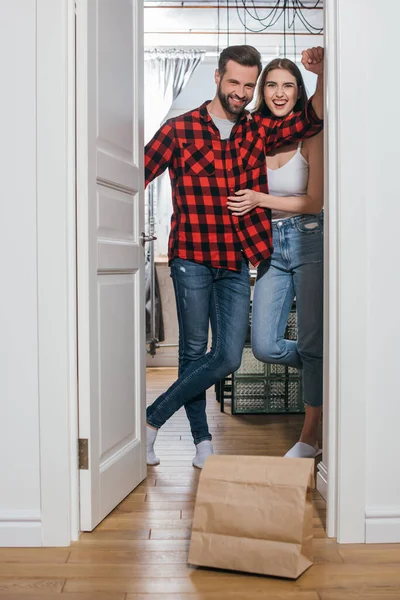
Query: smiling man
(235, 85)
(211, 152)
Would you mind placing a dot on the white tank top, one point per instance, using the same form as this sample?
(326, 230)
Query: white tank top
(289, 180)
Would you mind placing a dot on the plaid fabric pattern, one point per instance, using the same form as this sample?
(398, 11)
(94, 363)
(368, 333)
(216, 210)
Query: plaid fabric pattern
(205, 170)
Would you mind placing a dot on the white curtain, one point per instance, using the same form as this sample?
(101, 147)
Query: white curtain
(166, 73)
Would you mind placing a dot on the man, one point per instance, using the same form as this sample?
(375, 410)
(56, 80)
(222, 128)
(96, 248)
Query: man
(211, 152)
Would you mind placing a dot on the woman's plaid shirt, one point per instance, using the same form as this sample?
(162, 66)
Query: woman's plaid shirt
(205, 170)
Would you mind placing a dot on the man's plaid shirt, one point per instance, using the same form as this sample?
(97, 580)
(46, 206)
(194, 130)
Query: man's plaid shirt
(205, 170)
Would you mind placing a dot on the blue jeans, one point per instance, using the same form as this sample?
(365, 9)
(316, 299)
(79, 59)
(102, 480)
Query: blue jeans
(294, 270)
(204, 295)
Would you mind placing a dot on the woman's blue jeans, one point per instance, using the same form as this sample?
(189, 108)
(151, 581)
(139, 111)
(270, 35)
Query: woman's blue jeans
(204, 295)
(295, 270)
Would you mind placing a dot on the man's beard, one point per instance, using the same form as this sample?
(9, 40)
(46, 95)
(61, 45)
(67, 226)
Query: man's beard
(231, 109)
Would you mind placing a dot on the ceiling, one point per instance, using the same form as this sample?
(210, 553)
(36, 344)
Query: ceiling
(248, 3)
(212, 25)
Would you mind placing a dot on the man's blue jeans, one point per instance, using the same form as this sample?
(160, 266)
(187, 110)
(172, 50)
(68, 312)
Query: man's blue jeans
(295, 270)
(204, 295)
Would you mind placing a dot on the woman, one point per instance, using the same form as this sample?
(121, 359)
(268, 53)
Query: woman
(295, 270)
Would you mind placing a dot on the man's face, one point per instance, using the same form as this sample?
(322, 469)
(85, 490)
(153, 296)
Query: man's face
(235, 89)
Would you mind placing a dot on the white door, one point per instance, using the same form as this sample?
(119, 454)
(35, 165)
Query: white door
(110, 221)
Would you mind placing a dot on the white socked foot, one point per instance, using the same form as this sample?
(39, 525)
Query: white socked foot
(151, 435)
(302, 450)
(203, 450)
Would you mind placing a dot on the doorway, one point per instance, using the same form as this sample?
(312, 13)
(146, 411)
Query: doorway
(58, 405)
(194, 27)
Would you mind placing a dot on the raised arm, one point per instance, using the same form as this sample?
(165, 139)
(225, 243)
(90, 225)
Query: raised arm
(158, 152)
(299, 125)
(313, 61)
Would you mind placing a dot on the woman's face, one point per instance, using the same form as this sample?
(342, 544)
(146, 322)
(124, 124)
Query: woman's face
(281, 92)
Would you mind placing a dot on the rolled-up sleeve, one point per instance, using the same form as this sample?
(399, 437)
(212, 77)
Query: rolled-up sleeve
(294, 127)
(158, 152)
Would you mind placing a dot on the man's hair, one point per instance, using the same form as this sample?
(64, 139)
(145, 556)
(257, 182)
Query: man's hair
(247, 56)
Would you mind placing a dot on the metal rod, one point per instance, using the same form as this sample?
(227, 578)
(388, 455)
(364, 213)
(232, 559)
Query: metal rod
(211, 32)
(152, 265)
(167, 345)
(229, 6)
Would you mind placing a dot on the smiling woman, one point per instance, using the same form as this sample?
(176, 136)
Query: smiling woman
(283, 88)
(295, 175)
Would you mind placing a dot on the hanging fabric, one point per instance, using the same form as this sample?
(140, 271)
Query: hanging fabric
(166, 73)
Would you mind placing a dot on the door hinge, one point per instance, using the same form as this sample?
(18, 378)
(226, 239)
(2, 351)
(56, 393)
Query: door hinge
(83, 453)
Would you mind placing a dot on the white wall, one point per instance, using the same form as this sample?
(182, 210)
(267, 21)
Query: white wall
(166, 356)
(38, 303)
(383, 291)
(19, 420)
(368, 285)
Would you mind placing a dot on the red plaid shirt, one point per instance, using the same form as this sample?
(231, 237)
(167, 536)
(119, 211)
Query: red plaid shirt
(205, 170)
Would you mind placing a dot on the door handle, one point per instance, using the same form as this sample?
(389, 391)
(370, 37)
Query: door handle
(147, 238)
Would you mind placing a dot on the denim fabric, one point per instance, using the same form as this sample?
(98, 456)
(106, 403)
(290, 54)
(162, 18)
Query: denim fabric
(294, 270)
(204, 295)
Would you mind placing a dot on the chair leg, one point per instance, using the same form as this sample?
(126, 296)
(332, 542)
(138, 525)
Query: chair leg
(217, 389)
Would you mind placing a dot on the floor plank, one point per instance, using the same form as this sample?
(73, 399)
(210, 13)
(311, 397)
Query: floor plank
(361, 593)
(31, 555)
(139, 552)
(370, 553)
(22, 583)
(297, 595)
(45, 595)
(203, 583)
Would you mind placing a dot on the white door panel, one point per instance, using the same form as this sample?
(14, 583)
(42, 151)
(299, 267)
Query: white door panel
(116, 256)
(116, 216)
(110, 219)
(113, 169)
(115, 91)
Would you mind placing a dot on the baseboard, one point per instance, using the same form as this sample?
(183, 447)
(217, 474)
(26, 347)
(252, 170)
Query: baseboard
(20, 529)
(382, 525)
(322, 480)
(162, 360)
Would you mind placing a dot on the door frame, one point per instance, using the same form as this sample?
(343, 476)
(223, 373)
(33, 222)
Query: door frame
(57, 315)
(57, 330)
(345, 360)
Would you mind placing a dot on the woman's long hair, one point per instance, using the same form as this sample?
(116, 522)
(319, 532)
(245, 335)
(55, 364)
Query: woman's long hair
(288, 65)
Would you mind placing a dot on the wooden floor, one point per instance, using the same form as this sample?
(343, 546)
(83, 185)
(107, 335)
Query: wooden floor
(139, 552)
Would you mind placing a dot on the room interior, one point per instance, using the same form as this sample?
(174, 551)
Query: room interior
(140, 551)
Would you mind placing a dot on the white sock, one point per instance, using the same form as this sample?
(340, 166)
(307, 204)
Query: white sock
(302, 450)
(203, 449)
(151, 435)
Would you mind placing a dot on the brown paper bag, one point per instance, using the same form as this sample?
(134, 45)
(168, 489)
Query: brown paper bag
(254, 514)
